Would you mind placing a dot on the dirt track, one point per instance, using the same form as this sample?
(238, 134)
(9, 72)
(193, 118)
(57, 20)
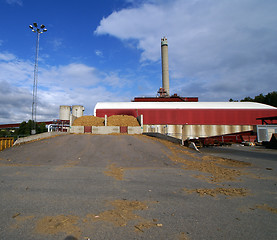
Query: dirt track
(132, 187)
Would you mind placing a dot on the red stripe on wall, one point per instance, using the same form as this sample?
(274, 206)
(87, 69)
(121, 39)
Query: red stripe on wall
(194, 116)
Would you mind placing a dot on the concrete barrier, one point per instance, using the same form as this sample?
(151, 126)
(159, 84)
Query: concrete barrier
(37, 137)
(105, 130)
(135, 130)
(77, 129)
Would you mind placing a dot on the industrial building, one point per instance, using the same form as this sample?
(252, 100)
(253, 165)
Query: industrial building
(191, 119)
(185, 117)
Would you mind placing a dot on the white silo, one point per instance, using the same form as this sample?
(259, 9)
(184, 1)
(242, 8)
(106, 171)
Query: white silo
(78, 110)
(65, 112)
(165, 71)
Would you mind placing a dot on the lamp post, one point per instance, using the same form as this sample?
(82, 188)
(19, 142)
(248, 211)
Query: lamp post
(38, 30)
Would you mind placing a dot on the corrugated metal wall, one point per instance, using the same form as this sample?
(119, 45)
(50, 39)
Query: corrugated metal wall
(193, 131)
(194, 116)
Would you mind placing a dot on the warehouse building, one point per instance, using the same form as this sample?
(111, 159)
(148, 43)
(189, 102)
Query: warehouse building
(191, 119)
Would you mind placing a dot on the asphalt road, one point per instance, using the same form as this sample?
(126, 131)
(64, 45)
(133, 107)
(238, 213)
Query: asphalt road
(135, 187)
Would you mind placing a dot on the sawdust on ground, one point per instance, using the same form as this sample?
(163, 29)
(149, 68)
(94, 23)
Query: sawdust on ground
(267, 208)
(12, 163)
(89, 121)
(231, 192)
(115, 172)
(183, 236)
(20, 220)
(219, 169)
(122, 213)
(51, 225)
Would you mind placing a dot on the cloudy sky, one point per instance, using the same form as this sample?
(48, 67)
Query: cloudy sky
(109, 50)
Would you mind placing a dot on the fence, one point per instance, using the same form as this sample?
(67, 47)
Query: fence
(6, 143)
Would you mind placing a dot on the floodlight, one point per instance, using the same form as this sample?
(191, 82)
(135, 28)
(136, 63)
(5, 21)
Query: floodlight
(42, 26)
(33, 30)
(30, 26)
(44, 30)
(35, 24)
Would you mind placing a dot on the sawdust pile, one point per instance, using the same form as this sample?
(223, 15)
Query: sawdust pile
(122, 121)
(58, 224)
(115, 120)
(115, 172)
(89, 121)
(231, 192)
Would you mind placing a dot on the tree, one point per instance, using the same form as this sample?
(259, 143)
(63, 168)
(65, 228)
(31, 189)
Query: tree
(41, 127)
(25, 128)
(4, 133)
(270, 99)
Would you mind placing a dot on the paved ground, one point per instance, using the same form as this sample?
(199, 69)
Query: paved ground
(135, 187)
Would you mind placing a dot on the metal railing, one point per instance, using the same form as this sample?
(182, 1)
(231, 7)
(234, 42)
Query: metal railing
(6, 142)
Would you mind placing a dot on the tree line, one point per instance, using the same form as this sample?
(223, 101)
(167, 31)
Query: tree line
(23, 130)
(269, 99)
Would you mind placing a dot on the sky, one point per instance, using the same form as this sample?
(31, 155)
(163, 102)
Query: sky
(109, 51)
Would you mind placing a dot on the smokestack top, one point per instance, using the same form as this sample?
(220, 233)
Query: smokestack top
(164, 41)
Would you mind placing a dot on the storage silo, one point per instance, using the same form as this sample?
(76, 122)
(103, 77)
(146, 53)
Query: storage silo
(78, 110)
(65, 112)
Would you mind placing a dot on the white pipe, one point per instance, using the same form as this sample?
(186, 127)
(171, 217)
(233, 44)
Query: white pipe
(50, 126)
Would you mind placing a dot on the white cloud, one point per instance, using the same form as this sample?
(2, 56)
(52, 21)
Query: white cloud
(71, 84)
(218, 49)
(6, 56)
(57, 43)
(18, 2)
(73, 75)
(15, 71)
(98, 53)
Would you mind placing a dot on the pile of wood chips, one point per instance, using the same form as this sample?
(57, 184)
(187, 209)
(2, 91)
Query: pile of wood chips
(123, 120)
(89, 121)
(115, 120)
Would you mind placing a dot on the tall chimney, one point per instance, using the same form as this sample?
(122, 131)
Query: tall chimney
(165, 72)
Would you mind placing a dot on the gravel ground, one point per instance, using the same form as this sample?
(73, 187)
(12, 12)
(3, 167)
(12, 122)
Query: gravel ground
(135, 187)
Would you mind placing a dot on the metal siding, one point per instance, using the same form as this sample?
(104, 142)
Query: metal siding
(194, 116)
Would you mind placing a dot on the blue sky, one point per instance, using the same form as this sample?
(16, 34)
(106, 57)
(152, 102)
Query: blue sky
(109, 50)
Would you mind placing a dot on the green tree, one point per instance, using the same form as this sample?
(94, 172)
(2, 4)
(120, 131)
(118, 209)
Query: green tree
(270, 99)
(26, 127)
(4, 133)
(41, 128)
(23, 129)
(247, 99)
